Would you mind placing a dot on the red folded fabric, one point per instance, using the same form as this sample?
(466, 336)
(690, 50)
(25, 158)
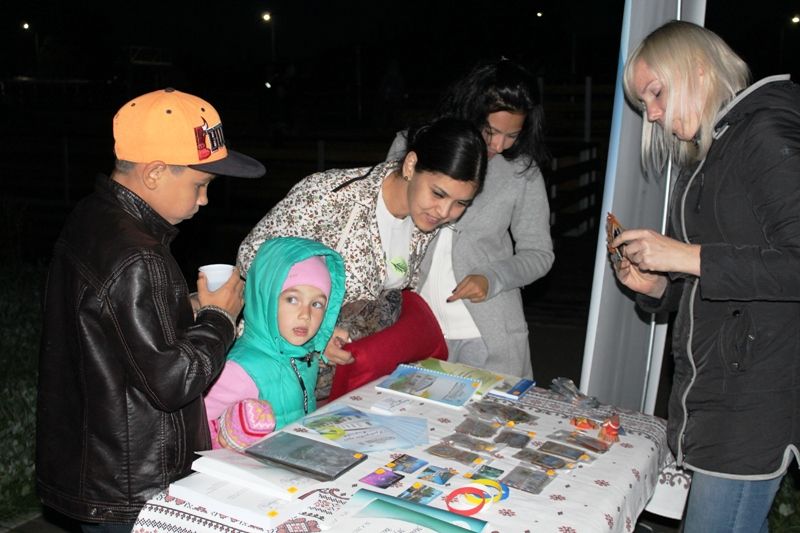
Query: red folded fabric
(416, 335)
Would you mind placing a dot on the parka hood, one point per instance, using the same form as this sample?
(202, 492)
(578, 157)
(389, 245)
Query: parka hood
(772, 92)
(267, 273)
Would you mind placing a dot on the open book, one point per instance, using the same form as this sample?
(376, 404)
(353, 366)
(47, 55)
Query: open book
(248, 472)
(430, 386)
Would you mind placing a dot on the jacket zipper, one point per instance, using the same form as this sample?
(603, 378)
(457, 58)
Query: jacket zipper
(300, 380)
(689, 353)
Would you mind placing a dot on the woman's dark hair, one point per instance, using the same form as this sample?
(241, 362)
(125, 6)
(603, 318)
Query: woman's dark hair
(449, 146)
(500, 86)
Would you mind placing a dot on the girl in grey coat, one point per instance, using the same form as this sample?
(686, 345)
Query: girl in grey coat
(472, 275)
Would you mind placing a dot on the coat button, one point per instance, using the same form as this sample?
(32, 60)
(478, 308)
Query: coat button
(736, 313)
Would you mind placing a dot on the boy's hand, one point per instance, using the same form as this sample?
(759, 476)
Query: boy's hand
(228, 297)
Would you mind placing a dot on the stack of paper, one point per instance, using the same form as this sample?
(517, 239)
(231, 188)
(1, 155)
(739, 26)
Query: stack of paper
(245, 471)
(227, 497)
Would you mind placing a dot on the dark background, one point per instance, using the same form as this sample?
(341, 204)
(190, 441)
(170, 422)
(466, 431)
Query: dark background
(222, 43)
(344, 77)
(348, 71)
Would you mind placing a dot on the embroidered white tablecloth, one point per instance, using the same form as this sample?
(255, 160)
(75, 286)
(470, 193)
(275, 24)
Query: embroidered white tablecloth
(606, 495)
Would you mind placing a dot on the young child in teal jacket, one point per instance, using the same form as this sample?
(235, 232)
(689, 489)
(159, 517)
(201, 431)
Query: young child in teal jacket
(292, 298)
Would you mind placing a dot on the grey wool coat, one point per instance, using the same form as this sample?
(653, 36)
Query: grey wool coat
(504, 235)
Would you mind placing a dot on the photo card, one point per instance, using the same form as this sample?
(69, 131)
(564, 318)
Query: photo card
(527, 479)
(382, 478)
(406, 463)
(476, 427)
(513, 439)
(445, 451)
(568, 452)
(419, 493)
(583, 440)
(548, 462)
(485, 472)
(437, 474)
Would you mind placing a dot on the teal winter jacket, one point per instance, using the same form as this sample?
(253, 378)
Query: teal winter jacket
(285, 374)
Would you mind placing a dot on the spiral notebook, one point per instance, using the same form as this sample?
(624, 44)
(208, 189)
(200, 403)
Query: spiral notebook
(488, 379)
(430, 386)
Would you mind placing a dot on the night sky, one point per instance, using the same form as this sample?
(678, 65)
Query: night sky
(326, 41)
(331, 58)
(340, 47)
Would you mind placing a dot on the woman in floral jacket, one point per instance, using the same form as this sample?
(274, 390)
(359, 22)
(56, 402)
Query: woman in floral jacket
(381, 219)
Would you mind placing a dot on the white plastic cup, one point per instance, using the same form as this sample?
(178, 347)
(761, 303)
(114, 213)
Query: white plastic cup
(216, 275)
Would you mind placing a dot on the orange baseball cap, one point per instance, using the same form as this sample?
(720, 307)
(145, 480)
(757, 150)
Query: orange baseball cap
(178, 129)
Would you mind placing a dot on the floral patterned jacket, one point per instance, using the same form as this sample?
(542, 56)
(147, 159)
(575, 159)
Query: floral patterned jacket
(337, 208)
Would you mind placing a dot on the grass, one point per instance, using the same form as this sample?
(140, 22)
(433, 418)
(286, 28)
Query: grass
(20, 324)
(785, 514)
(21, 284)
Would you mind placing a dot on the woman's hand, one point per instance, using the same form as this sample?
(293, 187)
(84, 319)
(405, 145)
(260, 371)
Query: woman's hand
(649, 283)
(334, 351)
(652, 252)
(473, 287)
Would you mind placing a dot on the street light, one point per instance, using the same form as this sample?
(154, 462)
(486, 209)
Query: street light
(266, 16)
(27, 27)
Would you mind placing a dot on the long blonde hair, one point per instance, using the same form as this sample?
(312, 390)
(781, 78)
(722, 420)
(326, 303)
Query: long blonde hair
(677, 53)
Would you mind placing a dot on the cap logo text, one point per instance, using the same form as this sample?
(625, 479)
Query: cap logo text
(216, 139)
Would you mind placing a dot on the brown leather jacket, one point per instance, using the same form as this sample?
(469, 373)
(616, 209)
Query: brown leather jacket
(123, 362)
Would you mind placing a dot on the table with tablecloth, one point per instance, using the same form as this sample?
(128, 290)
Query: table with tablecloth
(607, 494)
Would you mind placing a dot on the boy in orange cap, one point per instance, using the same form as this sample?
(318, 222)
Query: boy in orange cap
(124, 359)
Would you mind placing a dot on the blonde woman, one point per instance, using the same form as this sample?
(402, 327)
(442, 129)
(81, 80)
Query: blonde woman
(729, 266)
